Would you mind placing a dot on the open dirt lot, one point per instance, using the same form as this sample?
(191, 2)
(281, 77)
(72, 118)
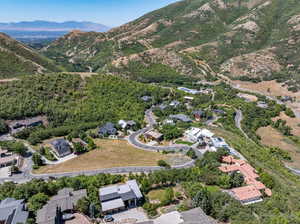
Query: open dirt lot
(271, 137)
(112, 153)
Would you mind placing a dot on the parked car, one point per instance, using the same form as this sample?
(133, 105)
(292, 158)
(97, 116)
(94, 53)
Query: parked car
(68, 217)
(108, 218)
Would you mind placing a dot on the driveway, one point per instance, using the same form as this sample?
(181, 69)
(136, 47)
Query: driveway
(134, 215)
(4, 172)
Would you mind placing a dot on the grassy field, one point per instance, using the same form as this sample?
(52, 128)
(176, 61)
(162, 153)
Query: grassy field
(112, 153)
(156, 195)
(272, 137)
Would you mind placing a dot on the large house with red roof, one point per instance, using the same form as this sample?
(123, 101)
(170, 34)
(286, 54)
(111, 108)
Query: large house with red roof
(254, 190)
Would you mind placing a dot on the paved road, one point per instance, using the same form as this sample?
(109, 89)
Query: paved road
(238, 122)
(133, 139)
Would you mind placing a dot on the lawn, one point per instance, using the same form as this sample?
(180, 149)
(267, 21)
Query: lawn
(111, 153)
(156, 195)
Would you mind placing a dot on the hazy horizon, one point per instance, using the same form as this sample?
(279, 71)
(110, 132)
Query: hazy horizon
(110, 13)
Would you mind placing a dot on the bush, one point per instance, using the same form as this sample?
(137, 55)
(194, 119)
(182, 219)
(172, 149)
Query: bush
(191, 153)
(163, 163)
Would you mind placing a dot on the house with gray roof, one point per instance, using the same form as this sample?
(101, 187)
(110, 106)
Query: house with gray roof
(181, 117)
(61, 147)
(12, 211)
(146, 98)
(107, 129)
(116, 198)
(196, 216)
(63, 202)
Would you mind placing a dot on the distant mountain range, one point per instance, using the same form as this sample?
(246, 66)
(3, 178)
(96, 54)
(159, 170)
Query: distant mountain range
(45, 29)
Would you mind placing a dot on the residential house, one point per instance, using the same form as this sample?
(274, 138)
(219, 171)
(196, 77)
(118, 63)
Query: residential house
(19, 125)
(146, 98)
(108, 129)
(190, 91)
(198, 114)
(286, 98)
(7, 158)
(63, 202)
(248, 194)
(189, 98)
(262, 104)
(154, 135)
(193, 134)
(196, 134)
(127, 124)
(174, 103)
(193, 216)
(162, 106)
(61, 147)
(219, 111)
(168, 122)
(119, 197)
(12, 211)
(181, 117)
(219, 142)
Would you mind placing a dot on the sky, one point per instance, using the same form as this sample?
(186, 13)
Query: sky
(108, 12)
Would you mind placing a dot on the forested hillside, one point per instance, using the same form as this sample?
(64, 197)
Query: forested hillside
(17, 59)
(72, 103)
(244, 39)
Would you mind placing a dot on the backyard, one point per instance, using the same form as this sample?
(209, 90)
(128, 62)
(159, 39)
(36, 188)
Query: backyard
(113, 153)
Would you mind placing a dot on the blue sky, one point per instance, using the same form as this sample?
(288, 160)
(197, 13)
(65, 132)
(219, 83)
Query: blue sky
(108, 12)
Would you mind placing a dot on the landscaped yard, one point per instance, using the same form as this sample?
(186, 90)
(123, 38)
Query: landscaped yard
(112, 153)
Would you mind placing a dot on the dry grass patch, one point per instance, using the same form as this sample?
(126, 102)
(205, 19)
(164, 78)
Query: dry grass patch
(272, 137)
(110, 153)
(292, 122)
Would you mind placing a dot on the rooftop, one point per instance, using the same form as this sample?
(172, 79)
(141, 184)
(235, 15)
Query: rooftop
(181, 117)
(12, 211)
(66, 199)
(246, 193)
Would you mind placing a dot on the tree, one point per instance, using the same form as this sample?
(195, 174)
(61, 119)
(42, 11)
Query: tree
(37, 201)
(191, 153)
(3, 127)
(236, 180)
(79, 148)
(203, 200)
(163, 163)
(37, 160)
(83, 206)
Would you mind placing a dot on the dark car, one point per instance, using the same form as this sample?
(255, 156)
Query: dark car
(108, 218)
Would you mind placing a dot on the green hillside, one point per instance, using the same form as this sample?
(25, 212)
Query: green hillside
(17, 59)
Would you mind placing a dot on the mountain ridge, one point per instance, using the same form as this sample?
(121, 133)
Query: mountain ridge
(188, 34)
(17, 59)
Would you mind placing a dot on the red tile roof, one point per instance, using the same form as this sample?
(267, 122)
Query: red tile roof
(249, 174)
(246, 193)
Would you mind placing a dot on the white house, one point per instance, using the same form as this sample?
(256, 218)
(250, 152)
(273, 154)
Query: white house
(196, 134)
(219, 142)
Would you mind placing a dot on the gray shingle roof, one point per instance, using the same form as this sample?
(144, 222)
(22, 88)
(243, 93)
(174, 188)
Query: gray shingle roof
(196, 216)
(66, 199)
(12, 211)
(108, 129)
(62, 147)
(181, 117)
